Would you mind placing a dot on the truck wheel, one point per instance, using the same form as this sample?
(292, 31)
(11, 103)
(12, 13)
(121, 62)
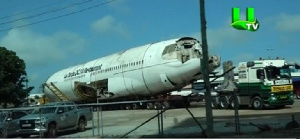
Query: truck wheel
(223, 102)
(52, 131)
(257, 103)
(298, 96)
(81, 125)
(280, 106)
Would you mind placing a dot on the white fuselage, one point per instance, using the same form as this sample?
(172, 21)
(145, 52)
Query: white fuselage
(147, 70)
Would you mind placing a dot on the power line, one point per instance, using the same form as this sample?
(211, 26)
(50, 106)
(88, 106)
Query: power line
(30, 10)
(57, 17)
(46, 12)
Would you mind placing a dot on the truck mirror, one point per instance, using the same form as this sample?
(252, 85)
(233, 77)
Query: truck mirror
(297, 66)
(250, 64)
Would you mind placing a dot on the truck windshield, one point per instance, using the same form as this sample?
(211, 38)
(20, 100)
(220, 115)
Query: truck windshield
(277, 73)
(44, 110)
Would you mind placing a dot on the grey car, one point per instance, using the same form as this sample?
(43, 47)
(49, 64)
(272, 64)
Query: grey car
(9, 122)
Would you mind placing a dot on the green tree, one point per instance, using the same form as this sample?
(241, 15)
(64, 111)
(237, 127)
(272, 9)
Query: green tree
(12, 78)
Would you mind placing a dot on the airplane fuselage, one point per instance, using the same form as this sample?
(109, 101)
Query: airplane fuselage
(147, 70)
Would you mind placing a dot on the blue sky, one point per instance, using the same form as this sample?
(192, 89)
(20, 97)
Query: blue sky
(102, 29)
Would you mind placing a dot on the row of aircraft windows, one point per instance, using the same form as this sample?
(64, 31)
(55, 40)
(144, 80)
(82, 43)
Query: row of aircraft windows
(123, 66)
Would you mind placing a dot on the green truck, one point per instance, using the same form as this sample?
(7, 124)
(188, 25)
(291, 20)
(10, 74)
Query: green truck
(260, 83)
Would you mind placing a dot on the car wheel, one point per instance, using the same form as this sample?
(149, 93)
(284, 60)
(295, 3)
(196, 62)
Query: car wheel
(25, 136)
(3, 133)
(52, 131)
(81, 125)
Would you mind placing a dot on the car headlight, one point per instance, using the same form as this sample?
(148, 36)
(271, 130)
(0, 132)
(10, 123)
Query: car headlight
(42, 120)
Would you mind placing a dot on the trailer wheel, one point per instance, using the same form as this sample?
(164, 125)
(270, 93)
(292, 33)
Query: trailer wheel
(223, 102)
(257, 103)
(165, 105)
(231, 103)
(214, 103)
(135, 106)
(81, 125)
(157, 106)
(149, 106)
(128, 107)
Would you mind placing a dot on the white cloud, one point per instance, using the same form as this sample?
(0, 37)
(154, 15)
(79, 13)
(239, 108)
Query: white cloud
(109, 26)
(37, 49)
(119, 6)
(284, 22)
(288, 23)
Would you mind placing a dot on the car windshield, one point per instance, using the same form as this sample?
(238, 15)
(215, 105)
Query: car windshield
(44, 110)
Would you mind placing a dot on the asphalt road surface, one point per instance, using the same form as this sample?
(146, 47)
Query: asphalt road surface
(179, 122)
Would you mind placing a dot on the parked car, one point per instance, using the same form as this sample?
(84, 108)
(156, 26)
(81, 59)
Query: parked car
(9, 122)
(50, 118)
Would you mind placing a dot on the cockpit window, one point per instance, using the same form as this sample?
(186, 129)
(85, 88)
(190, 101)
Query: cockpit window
(170, 52)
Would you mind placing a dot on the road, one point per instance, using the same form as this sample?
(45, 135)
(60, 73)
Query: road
(180, 122)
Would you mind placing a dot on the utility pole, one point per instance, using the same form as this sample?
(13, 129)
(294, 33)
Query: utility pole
(205, 73)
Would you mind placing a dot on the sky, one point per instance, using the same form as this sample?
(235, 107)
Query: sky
(50, 35)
